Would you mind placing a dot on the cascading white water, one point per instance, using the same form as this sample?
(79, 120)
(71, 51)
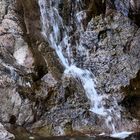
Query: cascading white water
(51, 19)
(56, 34)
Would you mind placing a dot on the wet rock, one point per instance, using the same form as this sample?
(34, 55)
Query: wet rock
(32, 19)
(4, 134)
(115, 61)
(7, 41)
(62, 108)
(54, 65)
(12, 103)
(130, 8)
(112, 61)
(37, 95)
(3, 9)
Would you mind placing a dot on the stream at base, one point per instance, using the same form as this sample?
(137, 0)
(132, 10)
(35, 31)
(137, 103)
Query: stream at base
(22, 134)
(135, 136)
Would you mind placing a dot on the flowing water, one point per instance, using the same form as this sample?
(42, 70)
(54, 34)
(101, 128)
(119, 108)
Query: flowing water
(58, 36)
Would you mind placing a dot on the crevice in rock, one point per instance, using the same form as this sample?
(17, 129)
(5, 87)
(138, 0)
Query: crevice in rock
(134, 11)
(127, 47)
(40, 67)
(132, 99)
(7, 7)
(12, 119)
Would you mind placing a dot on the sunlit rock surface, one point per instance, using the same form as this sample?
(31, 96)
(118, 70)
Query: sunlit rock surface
(34, 92)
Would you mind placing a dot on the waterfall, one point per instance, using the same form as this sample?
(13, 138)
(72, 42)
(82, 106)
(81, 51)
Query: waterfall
(84, 75)
(57, 34)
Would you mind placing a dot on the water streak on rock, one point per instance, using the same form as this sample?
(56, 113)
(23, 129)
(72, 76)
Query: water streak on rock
(57, 34)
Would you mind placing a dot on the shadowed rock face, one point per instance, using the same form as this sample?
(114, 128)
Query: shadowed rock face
(130, 8)
(34, 92)
(132, 99)
(31, 18)
(135, 11)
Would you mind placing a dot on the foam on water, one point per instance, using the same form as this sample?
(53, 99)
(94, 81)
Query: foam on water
(121, 135)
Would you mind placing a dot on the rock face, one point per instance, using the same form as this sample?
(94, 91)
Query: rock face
(114, 56)
(34, 91)
(4, 134)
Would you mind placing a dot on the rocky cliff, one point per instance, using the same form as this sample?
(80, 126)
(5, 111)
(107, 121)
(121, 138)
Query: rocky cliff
(36, 95)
